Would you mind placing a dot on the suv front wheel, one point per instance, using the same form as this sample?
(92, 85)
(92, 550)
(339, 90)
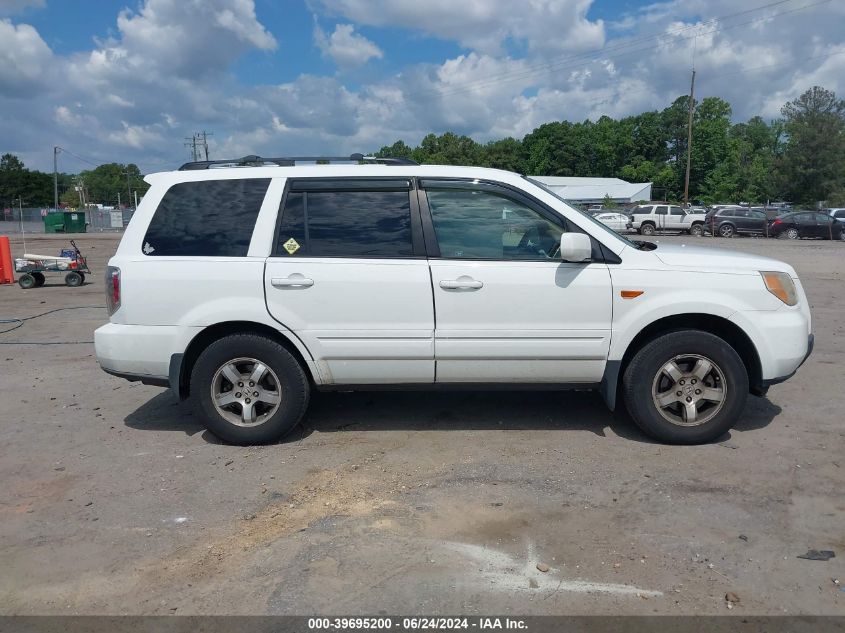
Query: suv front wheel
(685, 387)
(248, 389)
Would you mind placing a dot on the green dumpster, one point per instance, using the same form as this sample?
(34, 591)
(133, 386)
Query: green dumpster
(65, 222)
(74, 221)
(54, 223)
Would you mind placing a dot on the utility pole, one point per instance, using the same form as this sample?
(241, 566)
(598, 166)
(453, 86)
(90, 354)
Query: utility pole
(20, 217)
(205, 136)
(118, 200)
(136, 199)
(689, 137)
(198, 144)
(191, 143)
(128, 187)
(56, 177)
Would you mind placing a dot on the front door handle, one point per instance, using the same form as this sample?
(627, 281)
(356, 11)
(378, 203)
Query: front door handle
(461, 283)
(293, 281)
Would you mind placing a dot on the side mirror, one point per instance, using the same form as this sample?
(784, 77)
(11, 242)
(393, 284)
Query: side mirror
(575, 247)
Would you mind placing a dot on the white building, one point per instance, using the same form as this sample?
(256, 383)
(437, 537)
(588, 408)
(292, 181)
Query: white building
(593, 190)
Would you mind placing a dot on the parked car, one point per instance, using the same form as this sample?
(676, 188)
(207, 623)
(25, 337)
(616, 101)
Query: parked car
(807, 224)
(837, 213)
(730, 221)
(244, 285)
(647, 219)
(617, 221)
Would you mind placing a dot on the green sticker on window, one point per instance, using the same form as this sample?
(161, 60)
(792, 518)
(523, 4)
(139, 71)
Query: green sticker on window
(291, 246)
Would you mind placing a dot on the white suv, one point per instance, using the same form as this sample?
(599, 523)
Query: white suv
(246, 285)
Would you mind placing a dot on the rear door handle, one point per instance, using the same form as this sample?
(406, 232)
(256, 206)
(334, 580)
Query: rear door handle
(293, 281)
(461, 283)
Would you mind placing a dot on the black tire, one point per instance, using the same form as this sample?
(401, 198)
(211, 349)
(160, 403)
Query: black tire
(74, 279)
(727, 230)
(697, 229)
(27, 281)
(790, 234)
(645, 369)
(647, 228)
(40, 279)
(293, 387)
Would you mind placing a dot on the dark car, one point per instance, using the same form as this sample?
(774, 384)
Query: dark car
(807, 224)
(730, 221)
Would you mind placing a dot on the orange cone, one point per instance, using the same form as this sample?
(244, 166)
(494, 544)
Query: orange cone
(7, 267)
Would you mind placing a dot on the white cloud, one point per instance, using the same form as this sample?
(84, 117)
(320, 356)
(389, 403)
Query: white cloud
(24, 60)
(167, 73)
(12, 7)
(345, 47)
(483, 25)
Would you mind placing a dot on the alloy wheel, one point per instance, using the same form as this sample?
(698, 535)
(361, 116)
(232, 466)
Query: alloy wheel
(689, 390)
(245, 392)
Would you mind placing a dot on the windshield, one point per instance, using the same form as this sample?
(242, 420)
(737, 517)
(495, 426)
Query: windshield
(607, 230)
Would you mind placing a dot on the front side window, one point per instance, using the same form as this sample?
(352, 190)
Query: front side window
(346, 224)
(482, 224)
(208, 218)
(839, 214)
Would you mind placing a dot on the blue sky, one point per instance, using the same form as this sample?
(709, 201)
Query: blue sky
(126, 81)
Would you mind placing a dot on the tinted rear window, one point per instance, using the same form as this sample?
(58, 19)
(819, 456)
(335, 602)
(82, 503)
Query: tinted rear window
(209, 218)
(346, 224)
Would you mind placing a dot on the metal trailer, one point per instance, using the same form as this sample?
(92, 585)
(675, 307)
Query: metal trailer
(74, 266)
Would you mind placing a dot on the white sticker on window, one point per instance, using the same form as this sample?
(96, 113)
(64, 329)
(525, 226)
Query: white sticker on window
(147, 248)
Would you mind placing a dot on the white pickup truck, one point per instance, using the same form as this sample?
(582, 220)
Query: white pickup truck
(647, 219)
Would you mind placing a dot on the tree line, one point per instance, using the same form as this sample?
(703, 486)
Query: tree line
(105, 184)
(799, 157)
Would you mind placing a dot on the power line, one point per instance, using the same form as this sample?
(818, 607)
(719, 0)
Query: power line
(78, 157)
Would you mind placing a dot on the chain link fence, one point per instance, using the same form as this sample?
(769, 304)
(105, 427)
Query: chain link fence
(31, 220)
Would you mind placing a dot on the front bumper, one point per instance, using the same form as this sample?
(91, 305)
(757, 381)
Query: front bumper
(811, 341)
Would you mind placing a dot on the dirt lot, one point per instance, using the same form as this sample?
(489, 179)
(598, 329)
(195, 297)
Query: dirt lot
(114, 500)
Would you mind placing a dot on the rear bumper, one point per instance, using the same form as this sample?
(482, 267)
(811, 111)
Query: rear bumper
(145, 380)
(139, 352)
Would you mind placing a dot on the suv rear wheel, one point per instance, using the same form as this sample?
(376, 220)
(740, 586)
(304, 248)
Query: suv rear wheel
(248, 389)
(685, 387)
(727, 230)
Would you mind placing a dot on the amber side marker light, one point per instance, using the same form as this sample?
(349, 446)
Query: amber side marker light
(781, 286)
(631, 294)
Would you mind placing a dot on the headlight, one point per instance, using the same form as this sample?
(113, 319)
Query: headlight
(781, 286)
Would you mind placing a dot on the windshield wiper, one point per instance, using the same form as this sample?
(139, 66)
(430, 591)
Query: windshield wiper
(644, 246)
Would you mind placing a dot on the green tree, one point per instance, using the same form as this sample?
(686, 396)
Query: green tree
(108, 183)
(34, 188)
(398, 150)
(505, 153)
(813, 164)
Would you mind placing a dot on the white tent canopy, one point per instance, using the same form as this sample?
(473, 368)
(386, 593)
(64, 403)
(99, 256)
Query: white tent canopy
(586, 190)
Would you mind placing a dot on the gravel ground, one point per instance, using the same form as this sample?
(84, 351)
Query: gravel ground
(116, 501)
